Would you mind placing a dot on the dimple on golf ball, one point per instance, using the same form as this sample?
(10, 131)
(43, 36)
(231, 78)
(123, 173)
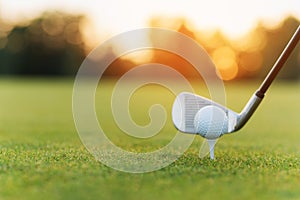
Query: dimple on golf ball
(211, 122)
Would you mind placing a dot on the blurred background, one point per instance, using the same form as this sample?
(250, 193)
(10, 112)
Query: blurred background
(52, 38)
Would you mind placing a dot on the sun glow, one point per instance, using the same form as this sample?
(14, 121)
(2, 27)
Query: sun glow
(225, 61)
(223, 25)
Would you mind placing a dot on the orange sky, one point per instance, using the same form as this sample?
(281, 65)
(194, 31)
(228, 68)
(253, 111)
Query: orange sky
(234, 17)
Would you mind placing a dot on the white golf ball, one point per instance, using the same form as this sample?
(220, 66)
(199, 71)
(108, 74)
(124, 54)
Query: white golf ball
(211, 122)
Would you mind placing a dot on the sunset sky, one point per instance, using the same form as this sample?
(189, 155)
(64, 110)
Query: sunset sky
(110, 17)
(233, 17)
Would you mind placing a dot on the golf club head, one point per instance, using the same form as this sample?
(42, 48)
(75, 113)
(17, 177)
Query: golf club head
(186, 106)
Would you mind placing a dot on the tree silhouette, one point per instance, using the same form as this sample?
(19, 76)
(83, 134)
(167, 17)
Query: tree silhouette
(276, 40)
(49, 45)
(53, 44)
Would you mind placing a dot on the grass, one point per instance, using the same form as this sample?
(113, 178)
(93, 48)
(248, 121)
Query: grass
(41, 155)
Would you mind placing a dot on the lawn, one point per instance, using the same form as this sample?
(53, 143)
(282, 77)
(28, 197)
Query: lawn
(42, 157)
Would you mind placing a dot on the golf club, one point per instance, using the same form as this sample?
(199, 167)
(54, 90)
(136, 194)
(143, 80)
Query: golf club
(198, 115)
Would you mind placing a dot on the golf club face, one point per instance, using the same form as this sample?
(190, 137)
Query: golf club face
(186, 106)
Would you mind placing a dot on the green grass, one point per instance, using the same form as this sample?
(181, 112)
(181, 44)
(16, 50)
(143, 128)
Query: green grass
(41, 155)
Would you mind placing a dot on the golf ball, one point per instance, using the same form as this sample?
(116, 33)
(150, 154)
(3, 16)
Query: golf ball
(211, 122)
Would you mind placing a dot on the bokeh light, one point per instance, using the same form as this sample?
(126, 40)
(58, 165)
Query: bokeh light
(251, 61)
(225, 61)
(60, 28)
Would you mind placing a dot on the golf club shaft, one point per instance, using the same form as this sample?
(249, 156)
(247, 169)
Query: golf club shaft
(279, 63)
(257, 97)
